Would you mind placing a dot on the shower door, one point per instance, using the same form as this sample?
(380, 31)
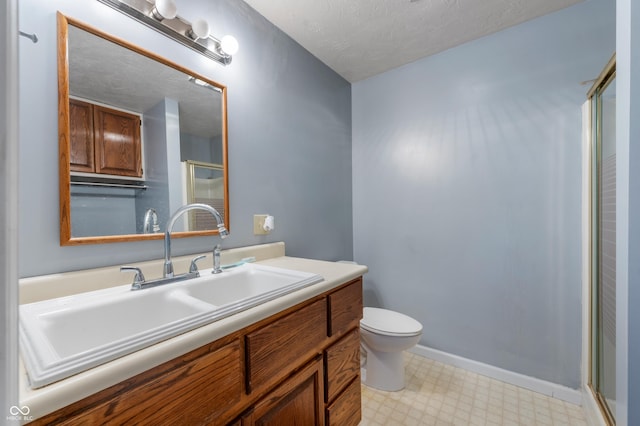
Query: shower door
(603, 241)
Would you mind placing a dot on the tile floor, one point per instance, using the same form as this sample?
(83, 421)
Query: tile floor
(442, 395)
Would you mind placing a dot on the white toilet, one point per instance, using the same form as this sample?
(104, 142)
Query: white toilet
(384, 335)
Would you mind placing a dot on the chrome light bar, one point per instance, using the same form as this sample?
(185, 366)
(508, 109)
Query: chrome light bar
(175, 27)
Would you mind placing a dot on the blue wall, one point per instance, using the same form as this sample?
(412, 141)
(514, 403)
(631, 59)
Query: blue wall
(157, 123)
(289, 136)
(466, 191)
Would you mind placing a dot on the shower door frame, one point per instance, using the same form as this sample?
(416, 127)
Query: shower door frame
(607, 75)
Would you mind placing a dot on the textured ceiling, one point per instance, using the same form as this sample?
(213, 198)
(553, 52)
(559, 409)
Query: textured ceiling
(362, 38)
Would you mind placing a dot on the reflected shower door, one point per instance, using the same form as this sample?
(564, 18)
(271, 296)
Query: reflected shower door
(205, 184)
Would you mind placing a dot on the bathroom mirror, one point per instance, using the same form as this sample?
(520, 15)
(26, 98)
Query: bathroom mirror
(131, 124)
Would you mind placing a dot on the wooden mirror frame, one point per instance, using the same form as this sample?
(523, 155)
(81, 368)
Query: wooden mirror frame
(64, 131)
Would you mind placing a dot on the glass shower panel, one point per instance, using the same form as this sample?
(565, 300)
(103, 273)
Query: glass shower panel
(607, 247)
(603, 237)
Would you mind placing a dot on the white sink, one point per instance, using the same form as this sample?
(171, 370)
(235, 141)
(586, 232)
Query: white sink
(74, 328)
(64, 336)
(243, 285)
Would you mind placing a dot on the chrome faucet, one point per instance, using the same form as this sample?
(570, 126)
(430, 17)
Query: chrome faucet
(150, 223)
(168, 265)
(140, 283)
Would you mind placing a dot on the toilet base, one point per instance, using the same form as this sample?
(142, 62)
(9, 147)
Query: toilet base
(384, 371)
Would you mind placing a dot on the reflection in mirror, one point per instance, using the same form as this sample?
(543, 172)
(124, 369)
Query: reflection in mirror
(136, 134)
(205, 184)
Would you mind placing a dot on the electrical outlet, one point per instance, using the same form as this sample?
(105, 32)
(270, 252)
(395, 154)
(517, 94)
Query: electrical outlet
(258, 224)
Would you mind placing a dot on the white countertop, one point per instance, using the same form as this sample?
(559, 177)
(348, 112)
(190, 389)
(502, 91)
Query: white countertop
(60, 394)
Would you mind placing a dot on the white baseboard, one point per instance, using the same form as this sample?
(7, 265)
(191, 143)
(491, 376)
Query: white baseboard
(553, 390)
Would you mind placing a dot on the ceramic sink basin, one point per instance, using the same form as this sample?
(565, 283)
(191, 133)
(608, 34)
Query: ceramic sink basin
(64, 336)
(245, 285)
(72, 329)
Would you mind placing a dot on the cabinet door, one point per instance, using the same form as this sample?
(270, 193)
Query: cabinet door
(298, 401)
(117, 142)
(81, 156)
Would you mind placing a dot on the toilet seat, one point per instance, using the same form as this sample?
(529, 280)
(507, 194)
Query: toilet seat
(389, 323)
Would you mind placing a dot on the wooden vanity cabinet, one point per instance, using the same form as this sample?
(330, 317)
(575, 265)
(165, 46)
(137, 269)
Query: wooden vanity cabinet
(104, 140)
(300, 366)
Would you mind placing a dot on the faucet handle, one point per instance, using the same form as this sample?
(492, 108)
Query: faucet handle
(194, 268)
(216, 259)
(138, 278)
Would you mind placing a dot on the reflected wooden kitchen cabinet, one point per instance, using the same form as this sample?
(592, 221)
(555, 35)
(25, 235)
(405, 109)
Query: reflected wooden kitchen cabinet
(104, 140)
(81, 155)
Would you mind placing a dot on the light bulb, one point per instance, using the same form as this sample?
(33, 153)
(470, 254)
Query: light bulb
(229, 45)
(199, 29)
(164, 9)
(198, 82)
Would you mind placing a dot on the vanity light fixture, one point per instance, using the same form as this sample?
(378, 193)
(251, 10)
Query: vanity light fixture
(229, 45)
(204, 84)
(162, 16)
(164, 9)
(199, 29)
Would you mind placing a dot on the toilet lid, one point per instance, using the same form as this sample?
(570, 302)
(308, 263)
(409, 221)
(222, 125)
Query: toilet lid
(384, 321)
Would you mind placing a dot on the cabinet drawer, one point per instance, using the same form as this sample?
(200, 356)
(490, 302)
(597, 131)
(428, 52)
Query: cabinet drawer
(342, 363)
(276, 349)
(345, 308)
(198, 392)
(346, 409)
